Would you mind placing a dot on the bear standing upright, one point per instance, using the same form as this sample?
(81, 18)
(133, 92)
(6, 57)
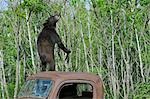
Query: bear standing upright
(46, 42)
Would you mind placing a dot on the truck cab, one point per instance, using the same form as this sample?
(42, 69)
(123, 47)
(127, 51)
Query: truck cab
(62, 85)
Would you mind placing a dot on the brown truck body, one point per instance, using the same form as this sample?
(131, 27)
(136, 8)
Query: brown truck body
(60, 79)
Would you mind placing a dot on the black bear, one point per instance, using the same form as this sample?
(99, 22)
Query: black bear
(46, 42)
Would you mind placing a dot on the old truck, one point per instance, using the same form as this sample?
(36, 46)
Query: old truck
(62, 85)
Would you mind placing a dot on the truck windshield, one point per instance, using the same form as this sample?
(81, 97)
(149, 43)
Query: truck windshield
(36, 88)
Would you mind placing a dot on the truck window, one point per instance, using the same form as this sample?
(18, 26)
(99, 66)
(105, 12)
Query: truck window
(76, 91)
(36, 88)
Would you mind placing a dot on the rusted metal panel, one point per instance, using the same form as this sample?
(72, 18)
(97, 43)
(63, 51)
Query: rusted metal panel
(59, 78)
(54, 75)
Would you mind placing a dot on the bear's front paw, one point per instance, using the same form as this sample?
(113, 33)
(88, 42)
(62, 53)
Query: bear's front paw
(68, 51)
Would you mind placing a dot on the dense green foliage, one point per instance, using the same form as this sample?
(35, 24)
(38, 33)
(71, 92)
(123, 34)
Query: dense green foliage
(110, 38)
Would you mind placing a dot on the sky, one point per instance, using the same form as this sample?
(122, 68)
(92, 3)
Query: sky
(3, 4)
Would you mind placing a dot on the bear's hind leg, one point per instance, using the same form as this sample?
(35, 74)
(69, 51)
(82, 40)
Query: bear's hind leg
(51, 66)
(43, 66)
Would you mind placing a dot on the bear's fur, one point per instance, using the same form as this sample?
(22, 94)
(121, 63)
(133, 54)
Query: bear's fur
(46, 42)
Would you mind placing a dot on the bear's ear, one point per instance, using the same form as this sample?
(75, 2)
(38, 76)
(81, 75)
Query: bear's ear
(46, 23)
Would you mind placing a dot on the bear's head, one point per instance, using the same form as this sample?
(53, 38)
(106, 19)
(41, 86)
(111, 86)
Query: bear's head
(52, 20)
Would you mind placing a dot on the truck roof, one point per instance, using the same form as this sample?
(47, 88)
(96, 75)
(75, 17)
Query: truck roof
(57, 75)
